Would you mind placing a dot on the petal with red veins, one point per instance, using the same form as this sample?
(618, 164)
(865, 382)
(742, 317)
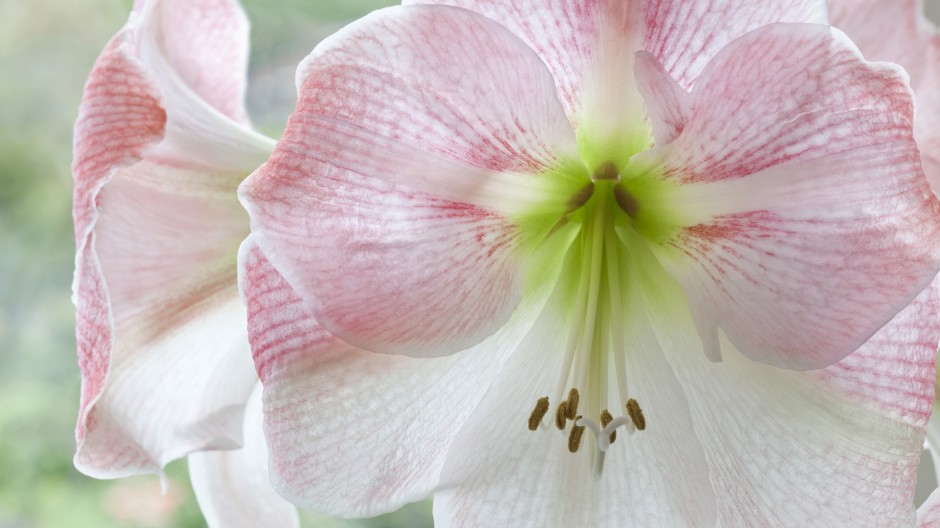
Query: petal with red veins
(232, 487)
(803, 187)
(587, 44)
(927, 117)
(384, 422)
(157, 227)
(204, 45)
(895, 31)
(667, 104)
(837, 447)
(371, 203)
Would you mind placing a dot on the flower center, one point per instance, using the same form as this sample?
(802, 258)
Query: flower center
(618, 221)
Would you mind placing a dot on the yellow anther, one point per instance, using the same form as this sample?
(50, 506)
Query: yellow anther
(561, 415)
(541, 407)
(573, 398)
(574, 439)
(606, 418)
(636, 414)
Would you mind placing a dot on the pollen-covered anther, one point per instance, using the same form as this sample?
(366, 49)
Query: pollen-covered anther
(561, 415)
(636, 414)
(574, 397)
(606, 418)
(541, 408)
(574, 438)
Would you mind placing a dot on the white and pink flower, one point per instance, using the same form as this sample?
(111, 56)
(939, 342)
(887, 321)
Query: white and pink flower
(161, 143)
(480, 205)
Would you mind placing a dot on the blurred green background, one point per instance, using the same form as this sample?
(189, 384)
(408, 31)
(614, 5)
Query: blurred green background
(47, 48)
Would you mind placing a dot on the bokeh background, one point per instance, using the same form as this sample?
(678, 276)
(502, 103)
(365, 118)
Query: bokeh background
(47, 48)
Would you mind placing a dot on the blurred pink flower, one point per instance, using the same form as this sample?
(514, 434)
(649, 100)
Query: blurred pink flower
(161, 143)
(532, 197)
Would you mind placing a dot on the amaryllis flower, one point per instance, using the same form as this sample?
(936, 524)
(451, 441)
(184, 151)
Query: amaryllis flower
(496, 235)
(161, 143)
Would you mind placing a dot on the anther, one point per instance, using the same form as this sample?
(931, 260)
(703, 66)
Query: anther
(626, 201)
(573, 398)
(574, 439)
(541, 407)
(607, 171)
(561, 415)
(636, 414)
(581, 197)
(606, 418)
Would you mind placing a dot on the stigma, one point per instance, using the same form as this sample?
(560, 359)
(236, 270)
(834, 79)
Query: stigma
(603, 431)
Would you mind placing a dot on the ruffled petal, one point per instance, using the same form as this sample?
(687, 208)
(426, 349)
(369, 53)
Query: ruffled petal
(232, 487)
(204, 46)
(832, 448)
(156, 229)
(383, 422)
(499, 473)
(685, 35)
(896, 31)
(370, 204)
(802, 186)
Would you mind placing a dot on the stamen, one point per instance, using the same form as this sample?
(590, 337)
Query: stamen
(574, 439)
(572, 406)
(606, 418)
(561, 416)
(541, 407)
(607, 171)
(626, 201)
(581, 197)
(636, 414)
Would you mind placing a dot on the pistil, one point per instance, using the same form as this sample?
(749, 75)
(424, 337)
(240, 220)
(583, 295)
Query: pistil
(597, 313)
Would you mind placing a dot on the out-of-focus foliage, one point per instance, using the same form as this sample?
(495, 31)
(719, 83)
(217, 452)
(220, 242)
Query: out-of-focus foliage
(47, 49)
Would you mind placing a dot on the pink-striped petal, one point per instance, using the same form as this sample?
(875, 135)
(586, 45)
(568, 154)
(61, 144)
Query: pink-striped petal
(232, 487)
(384, 423)
(370, 204)
(157, 226)
(810, 221)
(832, 448)
(898, 31)
(587, 45)
(927, 117)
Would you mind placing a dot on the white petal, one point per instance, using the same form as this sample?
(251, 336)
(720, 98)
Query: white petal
(232, 487)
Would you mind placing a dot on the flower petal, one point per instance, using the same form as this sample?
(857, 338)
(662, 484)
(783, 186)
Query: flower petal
(232, 487)
(803, 187)
(928, 515)
(837, 447)
(157, 225)
(587, 45)
(203, 46)
(499, 473)
(927, 117)
(368, 204)
(383, 422)
(896, 31)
